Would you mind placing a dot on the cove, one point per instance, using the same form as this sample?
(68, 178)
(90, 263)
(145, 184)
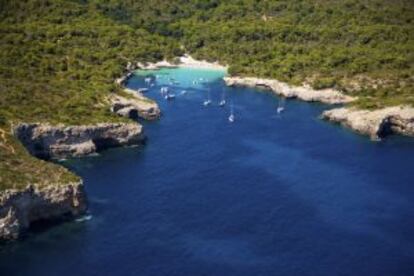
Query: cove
(267, 195)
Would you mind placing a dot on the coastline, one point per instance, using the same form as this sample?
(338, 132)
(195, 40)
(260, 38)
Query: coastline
(185, 61)
(377, 124)
(19, 208)
(59, 141)
(304, 93)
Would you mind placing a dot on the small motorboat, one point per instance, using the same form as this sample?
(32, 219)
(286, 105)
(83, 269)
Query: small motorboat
(222, 103)
(169, 96)
(183, 92)
(148, 80)
(280, 109)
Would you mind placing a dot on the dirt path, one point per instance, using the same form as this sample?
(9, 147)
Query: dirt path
(3, 142)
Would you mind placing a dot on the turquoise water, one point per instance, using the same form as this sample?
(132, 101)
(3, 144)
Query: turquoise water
(269, 194)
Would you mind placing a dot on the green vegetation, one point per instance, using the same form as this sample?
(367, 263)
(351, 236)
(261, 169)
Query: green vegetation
(58, 62)
(58, 58)
(364, 47)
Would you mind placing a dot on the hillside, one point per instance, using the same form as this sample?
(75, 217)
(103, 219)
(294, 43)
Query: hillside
(365, 47)
(58, 58)
(58, 62)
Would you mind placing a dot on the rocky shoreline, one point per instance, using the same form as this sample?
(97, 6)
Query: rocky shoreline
(19, 209)
(59, 141)
(137, 106)
(304, 93)
(376, 124)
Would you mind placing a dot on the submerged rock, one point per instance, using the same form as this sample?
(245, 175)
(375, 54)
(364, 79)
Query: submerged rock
(376, 123)
(305, 93)
(58, 141)
(19, 209)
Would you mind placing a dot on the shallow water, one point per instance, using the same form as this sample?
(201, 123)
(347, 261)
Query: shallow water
(266, 195)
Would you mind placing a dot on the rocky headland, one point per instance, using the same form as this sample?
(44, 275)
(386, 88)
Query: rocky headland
(19, 209)
(135, 106)
(374, 123)
(59, 141)
(305, 93)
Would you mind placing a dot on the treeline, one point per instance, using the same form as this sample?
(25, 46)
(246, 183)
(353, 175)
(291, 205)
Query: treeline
(60, 58)
(364, 47)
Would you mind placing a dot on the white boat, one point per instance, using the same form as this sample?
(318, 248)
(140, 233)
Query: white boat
(169, 96)
(164, 90)
(231, 117)
(208, 100)
(147, 80)
(281, 106)
(183, 92)
(222, 103)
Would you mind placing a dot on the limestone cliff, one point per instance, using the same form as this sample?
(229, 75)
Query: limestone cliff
(20, 208)
(135, 106)
(305, 93)
(375, 123)
(59, 141)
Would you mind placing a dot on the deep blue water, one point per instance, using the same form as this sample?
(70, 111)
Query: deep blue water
(266, 195)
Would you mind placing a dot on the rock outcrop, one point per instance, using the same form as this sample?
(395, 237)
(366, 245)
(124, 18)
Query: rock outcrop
(19, 209)
(305, 93)
(59, 141)
(377, 123)
(135, 106)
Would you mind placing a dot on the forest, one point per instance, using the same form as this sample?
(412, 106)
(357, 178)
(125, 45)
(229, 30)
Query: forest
(59, 58)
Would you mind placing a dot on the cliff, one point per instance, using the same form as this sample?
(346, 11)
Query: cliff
(47, 141)
(305, 93)
(20, 208)
(375, 123)
(134, 106)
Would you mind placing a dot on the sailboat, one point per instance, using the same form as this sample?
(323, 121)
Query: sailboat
(164, 90)
(223, 100)
(231, 117)
(208, 100)
(281, 106)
